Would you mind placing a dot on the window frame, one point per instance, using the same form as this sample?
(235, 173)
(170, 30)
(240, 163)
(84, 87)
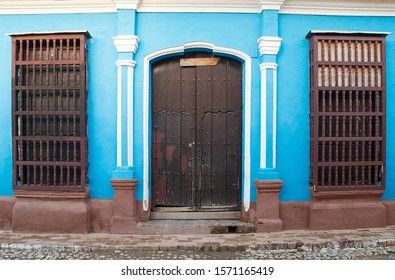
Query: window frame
(317, 151)
(47, 156)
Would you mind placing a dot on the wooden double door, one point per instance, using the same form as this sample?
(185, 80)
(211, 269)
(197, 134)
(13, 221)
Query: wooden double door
(196, 133)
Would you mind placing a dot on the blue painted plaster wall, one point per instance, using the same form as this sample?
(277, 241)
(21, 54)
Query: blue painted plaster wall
(102, 91)
(164, 30)
(293, 97)
(156, 31)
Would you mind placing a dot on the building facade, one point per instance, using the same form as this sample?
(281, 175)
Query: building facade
(114, 113)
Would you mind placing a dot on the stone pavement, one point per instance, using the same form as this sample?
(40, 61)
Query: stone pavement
(380, 241)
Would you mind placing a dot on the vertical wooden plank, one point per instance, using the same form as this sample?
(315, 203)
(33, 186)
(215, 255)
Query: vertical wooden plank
(159, 124)
(234, 128)
(219, 124)
(204, 139)
(172, 151)
(187, 125)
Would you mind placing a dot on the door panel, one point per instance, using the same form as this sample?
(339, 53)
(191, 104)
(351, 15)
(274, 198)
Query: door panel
(196, 134)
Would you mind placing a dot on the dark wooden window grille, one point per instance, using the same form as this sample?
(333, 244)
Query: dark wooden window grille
(49, 110)
(347, 112)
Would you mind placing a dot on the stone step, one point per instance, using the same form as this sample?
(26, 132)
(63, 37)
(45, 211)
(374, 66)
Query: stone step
(209, 215)
(194, 227)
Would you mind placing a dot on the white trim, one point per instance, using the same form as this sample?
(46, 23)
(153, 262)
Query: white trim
(339, 7)
(313, 7)
(275, 117)
(127, 4)
(208, 6)
(126, 43)
(56, 7)
(269, 45)
(271, 4)
(263, 117)
(247, 112)
(111, 6)
(130, 70)
(264, 66)
(126, 62)
(130, 113)
(268, 65)
(119, 114)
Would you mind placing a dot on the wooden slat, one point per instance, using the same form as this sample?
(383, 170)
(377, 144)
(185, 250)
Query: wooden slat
(233, 139)
(186, 135)
(204, 146)
(218, 132)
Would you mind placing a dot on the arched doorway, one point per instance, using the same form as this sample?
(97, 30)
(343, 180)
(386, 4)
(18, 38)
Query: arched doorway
(196, 155)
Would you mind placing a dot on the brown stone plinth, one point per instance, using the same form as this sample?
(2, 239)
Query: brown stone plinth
(44, 211)
(268, 205)
(347, 210)
(124, 218)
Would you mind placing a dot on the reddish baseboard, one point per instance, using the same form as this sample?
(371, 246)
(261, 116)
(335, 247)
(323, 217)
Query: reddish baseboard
(294, 215)
(347, 210)
(6, 207)
(58, 212)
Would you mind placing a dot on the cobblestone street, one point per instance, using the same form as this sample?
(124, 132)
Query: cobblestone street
(290, 245)
(290, 254)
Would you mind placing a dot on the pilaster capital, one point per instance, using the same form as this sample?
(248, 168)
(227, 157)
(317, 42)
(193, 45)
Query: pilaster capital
(129, 63)
(268, 65)
(269, 45)
(127, 4)
(126, 43)
(270, 4)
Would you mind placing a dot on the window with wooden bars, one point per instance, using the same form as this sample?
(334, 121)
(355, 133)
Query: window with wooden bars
(49, 111)
(347, 111)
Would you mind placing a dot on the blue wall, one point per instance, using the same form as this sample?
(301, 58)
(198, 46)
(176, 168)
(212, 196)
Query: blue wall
(293, 96)
(164, 30)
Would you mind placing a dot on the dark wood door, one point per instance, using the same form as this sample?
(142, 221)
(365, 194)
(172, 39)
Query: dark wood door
(196, 132)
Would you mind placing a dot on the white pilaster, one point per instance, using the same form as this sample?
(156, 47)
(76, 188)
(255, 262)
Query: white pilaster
(130, 71)
(263, 116)
(274, 117)
(264, 94)
(119, 115)
(130, 113)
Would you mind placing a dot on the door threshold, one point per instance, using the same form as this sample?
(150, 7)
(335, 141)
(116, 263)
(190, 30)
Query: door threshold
(229, 215)
(194, 227)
